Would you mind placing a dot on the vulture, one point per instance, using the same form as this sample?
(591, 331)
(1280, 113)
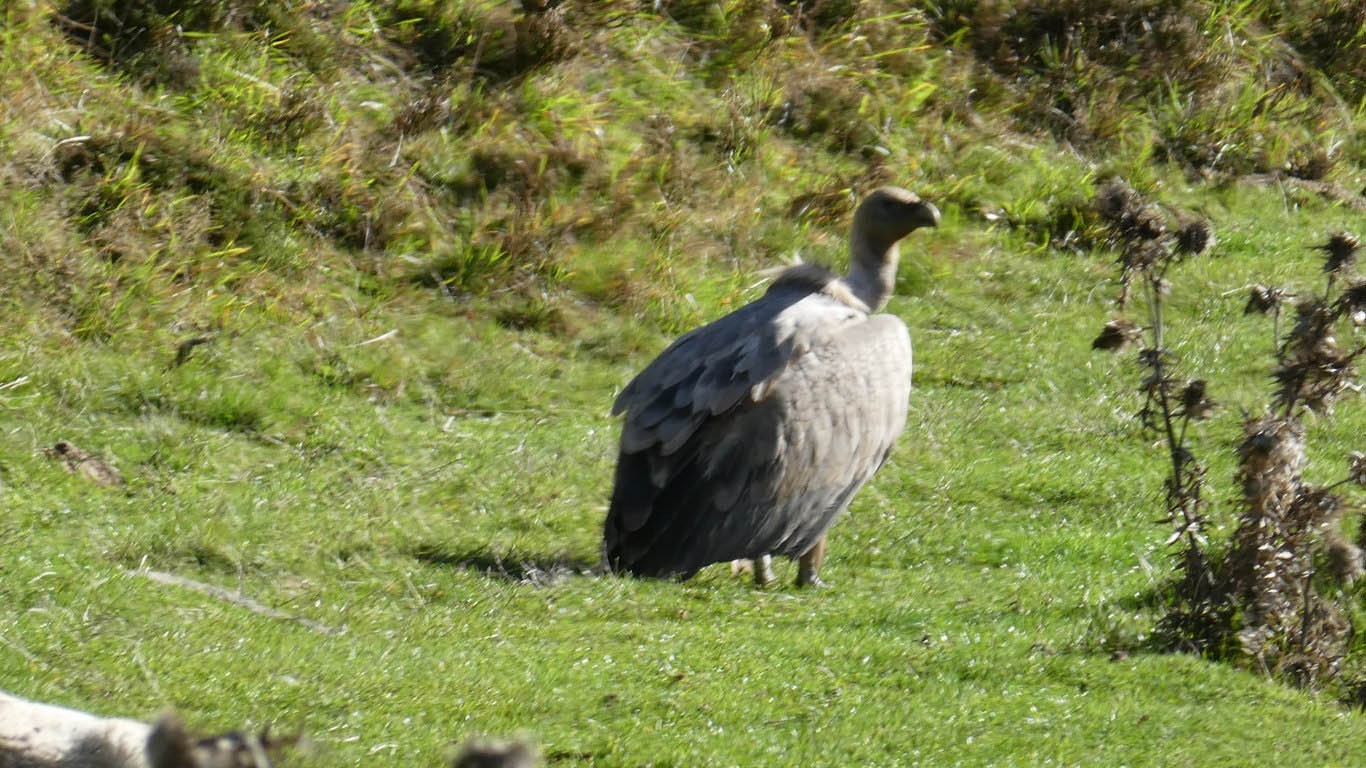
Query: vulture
(749, 436)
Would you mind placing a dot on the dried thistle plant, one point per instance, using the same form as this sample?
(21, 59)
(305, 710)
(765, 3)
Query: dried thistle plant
(1148, 249)
(1269, 602)
(1290, 530)
(1261, 599)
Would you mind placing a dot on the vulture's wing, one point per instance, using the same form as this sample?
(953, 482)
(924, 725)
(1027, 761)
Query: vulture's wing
(738, 357)
(750, 435)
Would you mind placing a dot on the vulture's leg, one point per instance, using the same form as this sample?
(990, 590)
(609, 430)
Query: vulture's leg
(763, 570)
(809, 565)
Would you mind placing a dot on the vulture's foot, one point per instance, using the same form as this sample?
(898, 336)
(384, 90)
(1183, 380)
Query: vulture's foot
(762, 568)
(809, 566)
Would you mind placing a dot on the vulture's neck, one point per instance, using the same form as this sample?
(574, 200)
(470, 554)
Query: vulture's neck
(872, 269)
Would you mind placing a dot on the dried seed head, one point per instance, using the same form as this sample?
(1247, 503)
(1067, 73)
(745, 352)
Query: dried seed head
(1117, 334)
(1193, 400)
(1149, 224)
(1345, 560)
(1316, 381)
(169, 744)
(1290, 383)
(1195, 237)
(1117, 202)
(1342, 252)
(1150, 358)
(1316, 507)
(1194, 392)
(1151, 385)
(1142, 255)
(1353, 299)
(1312, 335)
(1263, 300)
(1356, 472)
(1272, 458)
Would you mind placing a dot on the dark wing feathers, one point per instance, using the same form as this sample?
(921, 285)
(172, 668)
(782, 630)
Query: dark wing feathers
(780, 413)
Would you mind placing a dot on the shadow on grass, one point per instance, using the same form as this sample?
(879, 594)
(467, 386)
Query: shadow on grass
(538, 568)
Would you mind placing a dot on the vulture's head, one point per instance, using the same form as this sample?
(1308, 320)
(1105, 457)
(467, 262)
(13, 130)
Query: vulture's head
(889, 214)
(883, 218)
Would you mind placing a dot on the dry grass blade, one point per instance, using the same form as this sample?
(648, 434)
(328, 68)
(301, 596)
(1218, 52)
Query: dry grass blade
(228, 596)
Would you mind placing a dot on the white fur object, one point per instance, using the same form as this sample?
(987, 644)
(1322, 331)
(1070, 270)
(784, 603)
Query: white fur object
(34, 735)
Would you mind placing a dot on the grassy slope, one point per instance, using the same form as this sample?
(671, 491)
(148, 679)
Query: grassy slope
(982, 583)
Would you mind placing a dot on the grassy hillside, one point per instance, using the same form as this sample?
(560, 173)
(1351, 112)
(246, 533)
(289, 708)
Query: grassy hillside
(345, 290)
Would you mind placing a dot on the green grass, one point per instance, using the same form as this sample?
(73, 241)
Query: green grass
(400, 430)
